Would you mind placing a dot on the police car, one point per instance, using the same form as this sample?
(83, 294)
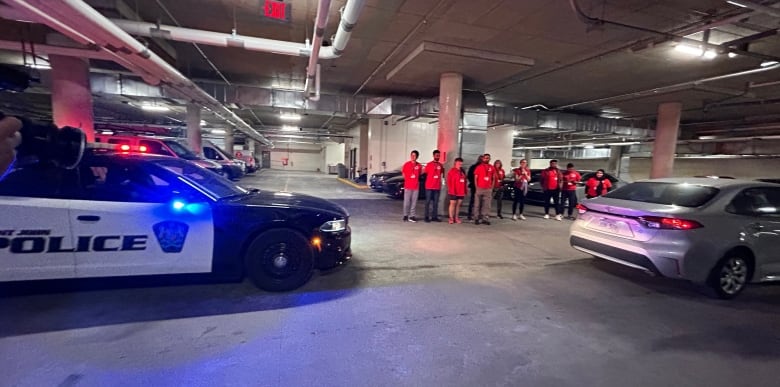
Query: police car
(136, 215)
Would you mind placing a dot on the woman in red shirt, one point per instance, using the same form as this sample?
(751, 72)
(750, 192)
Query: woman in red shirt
(597, 185)
(498, 188)
(522, 178)
(456, 189)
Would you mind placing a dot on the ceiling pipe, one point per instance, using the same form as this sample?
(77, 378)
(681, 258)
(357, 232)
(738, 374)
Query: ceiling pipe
(675, 87)
(312, 70)
(88, 26)
(756, 7)
(349, 17)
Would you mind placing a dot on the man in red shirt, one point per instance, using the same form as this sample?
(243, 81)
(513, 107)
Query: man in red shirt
(551, 180)
(456, 189)
(569, 191)
(434, 173)
(411, 171)
(484, 179)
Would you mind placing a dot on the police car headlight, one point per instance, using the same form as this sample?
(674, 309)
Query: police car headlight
(334, 226)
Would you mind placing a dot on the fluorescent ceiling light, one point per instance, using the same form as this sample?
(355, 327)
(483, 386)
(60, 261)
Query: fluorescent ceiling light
(154, 108)
(290, 128)
(768, 63)
(217, 131)
(203, 123)
(738, 4)
(697, 51)
(39, 66)
(290, 116)
(733, 55)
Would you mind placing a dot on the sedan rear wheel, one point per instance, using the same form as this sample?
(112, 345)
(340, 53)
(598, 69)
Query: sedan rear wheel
(730, 276)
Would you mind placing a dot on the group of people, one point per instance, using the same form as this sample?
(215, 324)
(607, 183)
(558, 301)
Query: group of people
(9, 140)
(485, 182)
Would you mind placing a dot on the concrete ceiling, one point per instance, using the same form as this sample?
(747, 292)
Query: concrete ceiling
(560, 60)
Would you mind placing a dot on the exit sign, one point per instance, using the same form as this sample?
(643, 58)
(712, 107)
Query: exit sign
(277, 10)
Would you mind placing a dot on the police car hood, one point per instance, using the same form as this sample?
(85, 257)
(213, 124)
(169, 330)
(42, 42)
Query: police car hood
(290, 199)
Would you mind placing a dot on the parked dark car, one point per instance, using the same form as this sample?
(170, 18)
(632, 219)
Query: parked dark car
(377, 181)
(536, 195)
(771, 180)
(394, 187)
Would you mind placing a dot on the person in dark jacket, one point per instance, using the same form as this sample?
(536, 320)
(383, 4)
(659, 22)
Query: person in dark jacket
(472, 186)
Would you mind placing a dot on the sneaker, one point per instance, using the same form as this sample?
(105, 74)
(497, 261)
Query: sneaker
(414, 220)
(451, 221)
(514, 217)
(406, 218)
(437, 219)
(457, 220)
(470, 217)
(522, 217)
(427, 220)
(477, 222)
(546, 216)
(558, 218)
(500, 216)
(486, 222)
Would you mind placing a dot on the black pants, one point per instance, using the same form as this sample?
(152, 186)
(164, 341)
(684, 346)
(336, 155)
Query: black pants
(498, 194)
(556, 197)
(572, 196)
(519, 202)
(432, 196)
(472, 192)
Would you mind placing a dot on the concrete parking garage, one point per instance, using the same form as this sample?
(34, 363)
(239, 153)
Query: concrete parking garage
(420, 304)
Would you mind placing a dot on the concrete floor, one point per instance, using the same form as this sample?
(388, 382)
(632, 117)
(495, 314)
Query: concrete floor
(420, 305)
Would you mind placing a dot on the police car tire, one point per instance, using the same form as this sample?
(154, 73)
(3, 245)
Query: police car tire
(264, 254)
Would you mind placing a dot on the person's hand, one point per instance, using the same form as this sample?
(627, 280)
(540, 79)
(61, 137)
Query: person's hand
(9, 140)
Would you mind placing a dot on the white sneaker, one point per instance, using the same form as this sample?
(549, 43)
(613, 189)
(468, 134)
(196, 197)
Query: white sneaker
(558, 218)
(514, 217)
(546, 216)
(522, 217)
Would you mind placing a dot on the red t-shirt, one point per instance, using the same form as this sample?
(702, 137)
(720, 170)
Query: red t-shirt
(484, 175)
(434, 174)
(456, 182)
(570, 180)
(411, 172)
(591, 186)
(550, 178)
(500, 175)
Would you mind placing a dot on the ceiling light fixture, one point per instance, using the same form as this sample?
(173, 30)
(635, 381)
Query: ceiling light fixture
(203, 123)
(290, 116)
(217, 131)
(696, 51)
(733, 55)
(290, 128)
(738, 4)
(154, 107)
(768, 63)
(39, 66)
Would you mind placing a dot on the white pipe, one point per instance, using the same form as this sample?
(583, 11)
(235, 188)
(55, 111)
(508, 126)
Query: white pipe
(349, 17)
(316, 96)
(96, 29)
(323, 9)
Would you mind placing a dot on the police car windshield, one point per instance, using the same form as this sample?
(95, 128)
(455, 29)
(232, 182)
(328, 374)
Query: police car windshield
(181, 150)
(212, 183)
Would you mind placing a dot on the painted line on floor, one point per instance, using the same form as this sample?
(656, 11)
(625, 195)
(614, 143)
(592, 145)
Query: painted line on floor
(351, 183)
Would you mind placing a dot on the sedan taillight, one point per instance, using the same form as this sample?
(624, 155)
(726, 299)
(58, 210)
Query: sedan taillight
(662, 223)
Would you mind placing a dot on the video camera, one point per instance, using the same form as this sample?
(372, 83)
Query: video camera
(45, 143)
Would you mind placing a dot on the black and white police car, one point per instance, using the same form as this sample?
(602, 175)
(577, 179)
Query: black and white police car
(137, 215)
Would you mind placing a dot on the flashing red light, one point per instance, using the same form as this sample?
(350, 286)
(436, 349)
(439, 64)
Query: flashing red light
(669, 223)
(142, 148)
(124, 147)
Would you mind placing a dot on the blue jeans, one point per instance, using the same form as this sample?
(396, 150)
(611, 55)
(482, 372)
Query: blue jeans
(432, 196)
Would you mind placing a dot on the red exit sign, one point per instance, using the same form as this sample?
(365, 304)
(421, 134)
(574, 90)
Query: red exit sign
(277, 10)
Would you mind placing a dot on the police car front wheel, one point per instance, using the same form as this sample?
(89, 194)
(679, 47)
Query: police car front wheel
(279, 260)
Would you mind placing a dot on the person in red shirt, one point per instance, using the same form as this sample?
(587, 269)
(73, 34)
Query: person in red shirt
(484, 179)
(569, 190)
(522, 178)
(411, 172)
(434, 172)
(498, 188)
(456, 189)
(551, 180)
(597, 185)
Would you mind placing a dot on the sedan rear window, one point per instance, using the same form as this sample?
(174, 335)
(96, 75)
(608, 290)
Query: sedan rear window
(673, 194)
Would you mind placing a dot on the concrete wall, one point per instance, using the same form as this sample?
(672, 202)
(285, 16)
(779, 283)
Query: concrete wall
(333, 154)
(301, 157)
(391, 142)
(498, 142)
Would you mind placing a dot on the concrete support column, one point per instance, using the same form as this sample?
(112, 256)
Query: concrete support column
(615, 155)
(71, 95)
(363, 148)
(450, 106)
(665, 145)
(193, 129)
(229, 138)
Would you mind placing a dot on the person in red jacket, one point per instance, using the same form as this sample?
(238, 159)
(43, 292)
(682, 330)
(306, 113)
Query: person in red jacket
(434, 172)
(498, 187)
(484, 179)
(597, 185)
(411, 172)
(551, 180)
(522, 179)
(456, 189)
(569, 190)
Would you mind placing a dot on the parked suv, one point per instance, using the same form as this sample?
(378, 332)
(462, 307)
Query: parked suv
(165, 146)
(234, 168)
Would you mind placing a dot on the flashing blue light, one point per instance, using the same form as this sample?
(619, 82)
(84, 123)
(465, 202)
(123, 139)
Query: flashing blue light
(178, 205)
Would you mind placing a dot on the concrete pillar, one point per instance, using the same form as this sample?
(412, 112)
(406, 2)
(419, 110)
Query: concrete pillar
(193, 129)
(229, 138)
(363, 148)
(665, 145)
(71, 95)
(615, 155)
(450, 106)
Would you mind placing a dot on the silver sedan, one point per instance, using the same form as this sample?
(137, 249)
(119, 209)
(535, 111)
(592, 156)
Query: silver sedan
(720, 232)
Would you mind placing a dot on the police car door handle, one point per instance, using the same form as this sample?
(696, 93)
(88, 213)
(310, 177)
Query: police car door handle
(88, 218)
